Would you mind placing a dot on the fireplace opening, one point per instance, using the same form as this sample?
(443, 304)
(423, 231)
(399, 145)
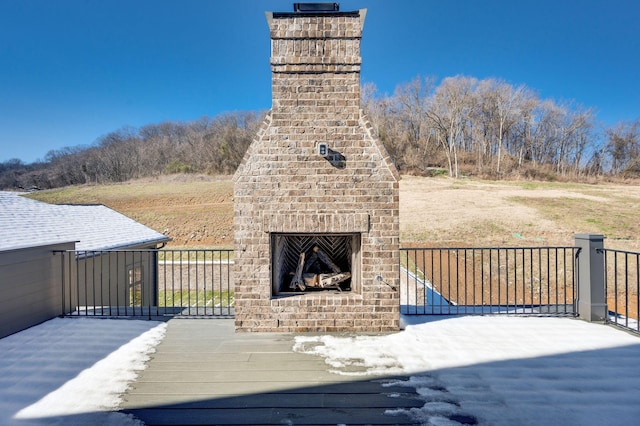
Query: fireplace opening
(305, 263)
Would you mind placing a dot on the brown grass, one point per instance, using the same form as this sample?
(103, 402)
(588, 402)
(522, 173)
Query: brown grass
(448, 212)
(197, 210)
(194, 210)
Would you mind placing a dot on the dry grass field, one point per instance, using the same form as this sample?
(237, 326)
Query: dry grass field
(194, 210)
(447, 212)
(197, 210)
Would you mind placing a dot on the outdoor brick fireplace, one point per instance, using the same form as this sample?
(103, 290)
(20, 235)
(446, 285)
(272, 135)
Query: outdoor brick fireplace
(316, 196)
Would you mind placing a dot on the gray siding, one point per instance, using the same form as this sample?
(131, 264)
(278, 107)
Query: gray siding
(31, 286)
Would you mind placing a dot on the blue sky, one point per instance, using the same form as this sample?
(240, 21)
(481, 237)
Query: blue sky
(74, 70)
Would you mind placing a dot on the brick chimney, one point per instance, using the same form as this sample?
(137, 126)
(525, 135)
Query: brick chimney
(316, 181)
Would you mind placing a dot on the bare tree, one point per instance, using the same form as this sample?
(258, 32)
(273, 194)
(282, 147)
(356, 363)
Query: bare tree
(450, 110)
(506, 102)
(623, 146)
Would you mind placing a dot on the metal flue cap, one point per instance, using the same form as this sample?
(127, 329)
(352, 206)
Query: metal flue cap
(316, 7)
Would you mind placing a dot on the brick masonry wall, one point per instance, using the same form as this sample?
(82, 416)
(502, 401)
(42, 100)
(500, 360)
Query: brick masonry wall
(283, 185)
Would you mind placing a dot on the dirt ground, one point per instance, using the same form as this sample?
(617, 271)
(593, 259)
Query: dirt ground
(442, 211)
(197, 210)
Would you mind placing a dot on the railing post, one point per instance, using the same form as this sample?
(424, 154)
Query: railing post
(592, 301)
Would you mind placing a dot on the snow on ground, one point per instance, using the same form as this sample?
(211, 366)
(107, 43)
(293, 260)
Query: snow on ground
(499, 370)
(73, 371)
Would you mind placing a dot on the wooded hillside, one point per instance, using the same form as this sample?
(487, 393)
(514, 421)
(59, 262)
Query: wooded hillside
(461, 126)
(492, 129)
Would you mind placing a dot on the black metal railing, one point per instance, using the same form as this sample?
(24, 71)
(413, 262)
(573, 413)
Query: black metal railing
(478, 281)
(149, 283)
(621, 278)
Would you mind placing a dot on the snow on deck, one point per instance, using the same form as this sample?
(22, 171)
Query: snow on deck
(489, 370)
(73, 371)
(502, 370)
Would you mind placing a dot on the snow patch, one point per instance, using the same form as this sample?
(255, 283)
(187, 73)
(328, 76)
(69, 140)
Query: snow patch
(73, 371)
(500, 370)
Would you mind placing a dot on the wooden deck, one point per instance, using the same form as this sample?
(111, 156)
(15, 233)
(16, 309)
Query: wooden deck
(204, 373)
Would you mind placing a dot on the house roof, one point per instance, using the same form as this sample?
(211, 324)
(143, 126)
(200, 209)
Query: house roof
(25, 222)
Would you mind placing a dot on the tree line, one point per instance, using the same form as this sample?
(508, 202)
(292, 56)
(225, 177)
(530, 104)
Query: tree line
(459, 126)
(207, 145)
(493, 129)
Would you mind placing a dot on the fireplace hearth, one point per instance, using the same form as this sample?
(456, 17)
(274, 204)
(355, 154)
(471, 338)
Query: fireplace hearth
(316, 226)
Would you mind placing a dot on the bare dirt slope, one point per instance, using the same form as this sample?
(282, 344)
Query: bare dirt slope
(480, 213)
(197, 210)
(194, 210)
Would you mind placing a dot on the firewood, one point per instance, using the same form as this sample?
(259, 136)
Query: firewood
(325, 259)
(328, 280)
(311, 280)
(297, 280)
(311, 261)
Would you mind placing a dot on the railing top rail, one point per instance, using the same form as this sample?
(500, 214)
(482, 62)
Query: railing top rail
(199, 249)
(140, 250)
(492, 248)
(606, 250)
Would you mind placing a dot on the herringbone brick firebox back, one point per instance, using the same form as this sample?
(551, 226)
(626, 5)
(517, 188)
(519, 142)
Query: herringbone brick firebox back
(316, 196)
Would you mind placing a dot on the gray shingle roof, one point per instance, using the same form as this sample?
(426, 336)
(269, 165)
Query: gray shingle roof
(25, 222)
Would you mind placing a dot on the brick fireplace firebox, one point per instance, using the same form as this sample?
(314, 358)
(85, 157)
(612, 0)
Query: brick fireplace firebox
(316, 196)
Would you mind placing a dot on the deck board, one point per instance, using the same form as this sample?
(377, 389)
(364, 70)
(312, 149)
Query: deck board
(205, 373)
